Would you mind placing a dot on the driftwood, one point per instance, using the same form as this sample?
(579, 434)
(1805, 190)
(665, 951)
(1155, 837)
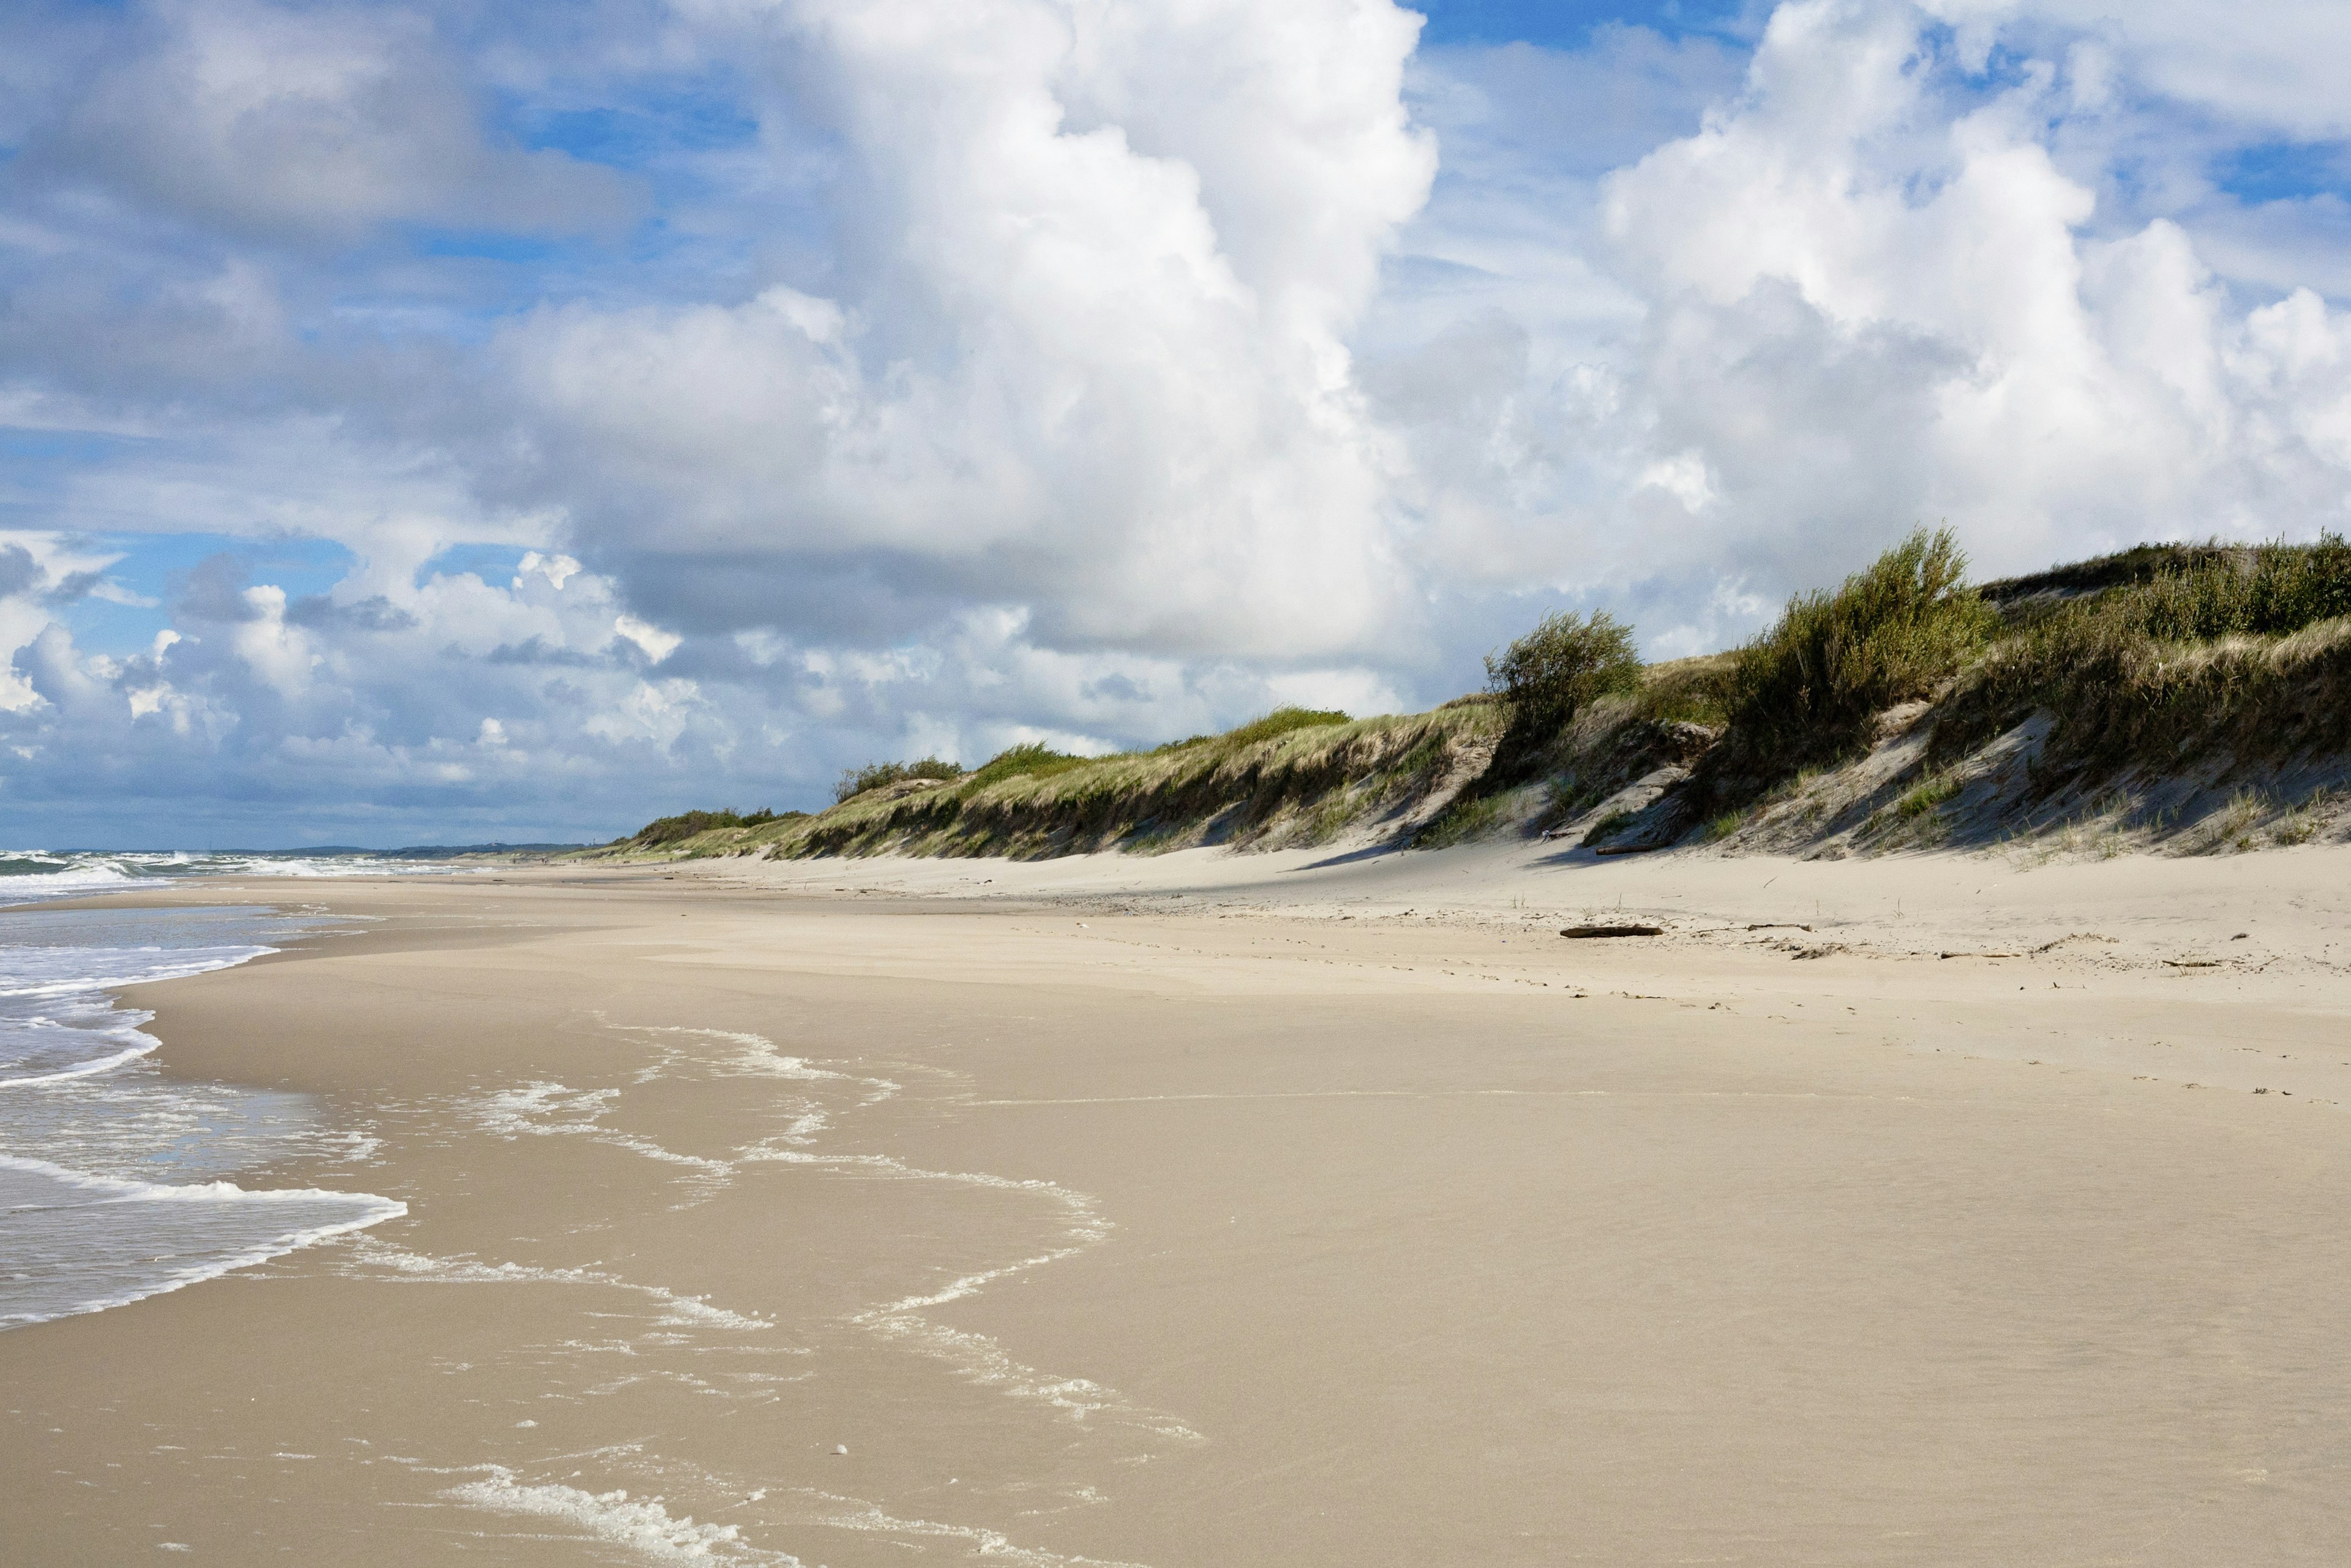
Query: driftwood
(1582, 932)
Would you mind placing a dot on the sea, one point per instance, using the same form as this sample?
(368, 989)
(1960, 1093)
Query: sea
(118, 1183)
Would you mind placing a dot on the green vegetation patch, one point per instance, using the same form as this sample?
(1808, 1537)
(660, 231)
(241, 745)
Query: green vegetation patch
(1546, 678)
(1610, 825)
(1028, 759)
(1809, 687)
(1564, 663)
(1930, 793)
(1280, 722)
(856, 781)
(1688, 691)
(1462, 820)
(2239, 650)
(663, 830)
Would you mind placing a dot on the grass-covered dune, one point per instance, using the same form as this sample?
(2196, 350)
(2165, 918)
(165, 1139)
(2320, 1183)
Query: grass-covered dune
(2179, 696)
(1295, 777)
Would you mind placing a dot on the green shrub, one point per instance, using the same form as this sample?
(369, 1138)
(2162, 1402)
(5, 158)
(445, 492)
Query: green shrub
(2270, 590)
(1564, 663)
(1687, 690)
(686, 824)
(856, 781)
(1807, 687)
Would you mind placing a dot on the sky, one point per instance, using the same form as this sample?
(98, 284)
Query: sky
(468, 420)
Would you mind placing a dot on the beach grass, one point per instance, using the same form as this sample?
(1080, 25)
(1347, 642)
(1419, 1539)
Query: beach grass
(1294, 776)
(2152, 668)
(1809, 687)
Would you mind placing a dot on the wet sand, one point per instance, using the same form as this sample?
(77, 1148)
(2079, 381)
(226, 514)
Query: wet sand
(1208, 1212)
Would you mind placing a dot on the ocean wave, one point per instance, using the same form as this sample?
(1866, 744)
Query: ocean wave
(96, 1241)
(104, 1196)
(34, 876)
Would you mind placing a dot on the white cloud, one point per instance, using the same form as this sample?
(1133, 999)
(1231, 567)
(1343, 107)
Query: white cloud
(1040, 369)
(1090, 357)
(307, 121)
(1869, 293)
(2278, 68)
(657, 644)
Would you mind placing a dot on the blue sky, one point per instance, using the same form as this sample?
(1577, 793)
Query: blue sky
(1569, 27)
(421, 421)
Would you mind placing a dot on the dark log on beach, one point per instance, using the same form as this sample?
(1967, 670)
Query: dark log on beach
(1581, 931)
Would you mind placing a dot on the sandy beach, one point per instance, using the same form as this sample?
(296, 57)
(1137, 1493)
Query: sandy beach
(1214, 1209)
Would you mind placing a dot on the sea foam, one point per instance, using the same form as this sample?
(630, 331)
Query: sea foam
(71, 1242)
(641, 1525)
(114, 1180)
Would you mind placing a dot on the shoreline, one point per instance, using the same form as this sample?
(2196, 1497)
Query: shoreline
(1293, 1228)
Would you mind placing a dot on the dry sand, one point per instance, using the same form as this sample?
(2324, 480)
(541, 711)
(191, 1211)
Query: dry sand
(1224, 1210)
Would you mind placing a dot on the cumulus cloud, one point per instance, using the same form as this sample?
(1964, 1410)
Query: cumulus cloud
(2279, 73)
(305, 123)
(1085, 353)
(1865, 293)
(701, 396)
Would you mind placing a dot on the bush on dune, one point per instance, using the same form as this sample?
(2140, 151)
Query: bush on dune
(686, 824)
(1568, 660)
(1807, 688)
(1548, 677)
(2272, 590)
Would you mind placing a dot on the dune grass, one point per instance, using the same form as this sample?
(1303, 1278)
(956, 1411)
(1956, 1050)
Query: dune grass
(1808, 688)
(1929, 794)
(1464, 821)
(1031, 760)
(1695, 690)
(2160, 659)
(856, 781)
(2244, 651)
(1295, 776)
(685, 825)
(1280, 721)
